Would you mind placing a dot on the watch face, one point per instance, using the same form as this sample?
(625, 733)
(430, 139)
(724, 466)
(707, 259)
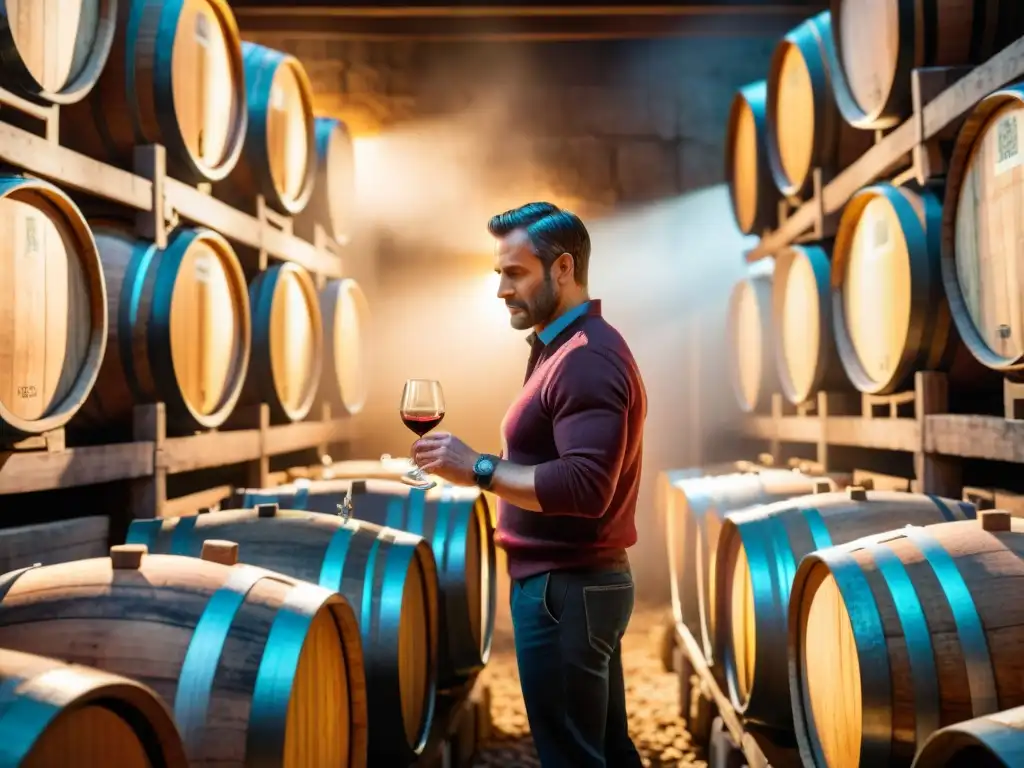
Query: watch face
(483, 466)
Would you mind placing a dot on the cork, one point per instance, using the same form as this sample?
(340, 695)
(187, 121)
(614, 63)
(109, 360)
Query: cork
(822, 486)
(127, 557)
(217, 551)
(857, 493)
(994, 520)
(266, 510)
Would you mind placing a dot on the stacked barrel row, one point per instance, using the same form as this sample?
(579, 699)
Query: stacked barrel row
(277, 632)
(878, 628)
(916, 277)
(96, 319)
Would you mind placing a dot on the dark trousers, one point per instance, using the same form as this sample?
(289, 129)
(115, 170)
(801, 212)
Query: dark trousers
(568, 627)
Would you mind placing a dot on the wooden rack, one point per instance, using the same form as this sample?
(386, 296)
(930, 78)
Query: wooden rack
(942, 98)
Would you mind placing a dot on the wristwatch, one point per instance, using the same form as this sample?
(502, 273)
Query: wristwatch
(483, 470)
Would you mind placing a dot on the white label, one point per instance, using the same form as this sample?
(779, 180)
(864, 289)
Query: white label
(202, 29)
(203, 268)
(1008, 154)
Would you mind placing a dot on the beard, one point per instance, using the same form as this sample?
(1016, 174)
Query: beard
(538, 310)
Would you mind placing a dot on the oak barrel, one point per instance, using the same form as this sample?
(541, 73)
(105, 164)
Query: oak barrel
(878, 45)
(699, 507)
(174, 77)
(332, 203)
(389, 578)
(992, 741)
(179, 329)
(753, 375)
(754, 196)
(279, 157)
(455, 520)
(56, 714)
(758, 553)
(805, 129)
(257, 667)
(53, 307)
(664, 493)
(981, 262)
(287, 342)
(54, 51)
(889, 311)
(923, 629)
(805, 353)
(346, 317)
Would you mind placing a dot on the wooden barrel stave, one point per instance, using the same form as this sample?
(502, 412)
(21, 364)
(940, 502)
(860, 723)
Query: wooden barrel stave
(979, 262)
(758, 552)
(345, 311)
(890, 314)
(40, 62)
(878, 46)
(991, 741)
(56, 714)
(388, 577)
(923, 636)
(700, 507)
(286, 685)
(805, 353)
(752, 371)
(279, 156)
(752, 191)
(53, 317)
(332, 202)
(178, 81)
(287, 342)
(179, 329)
(456, 522)
(805, 129)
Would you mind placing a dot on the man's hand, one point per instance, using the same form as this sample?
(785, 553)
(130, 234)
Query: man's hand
(443, 454)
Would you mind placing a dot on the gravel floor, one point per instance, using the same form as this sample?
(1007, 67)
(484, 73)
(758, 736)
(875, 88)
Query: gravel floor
(651, 694)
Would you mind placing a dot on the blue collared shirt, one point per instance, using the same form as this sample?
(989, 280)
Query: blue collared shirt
(562, 322)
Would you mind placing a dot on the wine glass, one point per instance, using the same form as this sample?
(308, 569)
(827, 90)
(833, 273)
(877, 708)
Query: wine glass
(422, 409)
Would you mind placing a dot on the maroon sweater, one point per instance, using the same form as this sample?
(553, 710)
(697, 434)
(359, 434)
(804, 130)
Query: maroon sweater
(579, 419)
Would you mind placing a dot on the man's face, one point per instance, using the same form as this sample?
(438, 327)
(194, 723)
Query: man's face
(526, 286)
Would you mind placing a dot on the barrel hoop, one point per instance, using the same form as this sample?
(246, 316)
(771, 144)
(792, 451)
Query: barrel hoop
(969, 510)
(417, 505)
(7, 580)
(366, 612)
(969, 629)
(268, 717)
(333, 567)
(395, 515)
(819, 531)
(202, 658)
(135, 18)
(921, 654)
(943, 509)
(869, 636)
(830, 115)
(300, 500)
(163, 89)
(128, 314)
(144, 532)
(182, 542)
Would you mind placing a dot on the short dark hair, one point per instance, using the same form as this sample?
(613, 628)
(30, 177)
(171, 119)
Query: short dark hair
(552, 232)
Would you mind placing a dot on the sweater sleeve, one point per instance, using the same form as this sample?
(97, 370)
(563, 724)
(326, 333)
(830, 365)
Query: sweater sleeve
(589, 404)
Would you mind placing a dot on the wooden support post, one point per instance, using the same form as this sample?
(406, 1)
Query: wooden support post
(324, 448)
(934, 473)
(774, 445)
(926, 83)
(149, 494)
(823, 411)
(259, 470)
(150, 162)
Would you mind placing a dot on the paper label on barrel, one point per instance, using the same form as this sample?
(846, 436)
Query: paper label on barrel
(203, 268)
(1008, 155)
(202, 29)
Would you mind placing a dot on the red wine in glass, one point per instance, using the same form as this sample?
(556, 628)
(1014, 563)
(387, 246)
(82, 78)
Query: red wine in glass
(422, 409)
(421, 423)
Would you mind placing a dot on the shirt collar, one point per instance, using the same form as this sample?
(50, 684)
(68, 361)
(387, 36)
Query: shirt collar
(563, 321)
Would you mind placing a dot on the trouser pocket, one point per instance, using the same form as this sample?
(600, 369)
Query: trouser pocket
(607, 608)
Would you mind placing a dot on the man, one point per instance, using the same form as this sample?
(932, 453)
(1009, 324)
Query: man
(567, 480)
